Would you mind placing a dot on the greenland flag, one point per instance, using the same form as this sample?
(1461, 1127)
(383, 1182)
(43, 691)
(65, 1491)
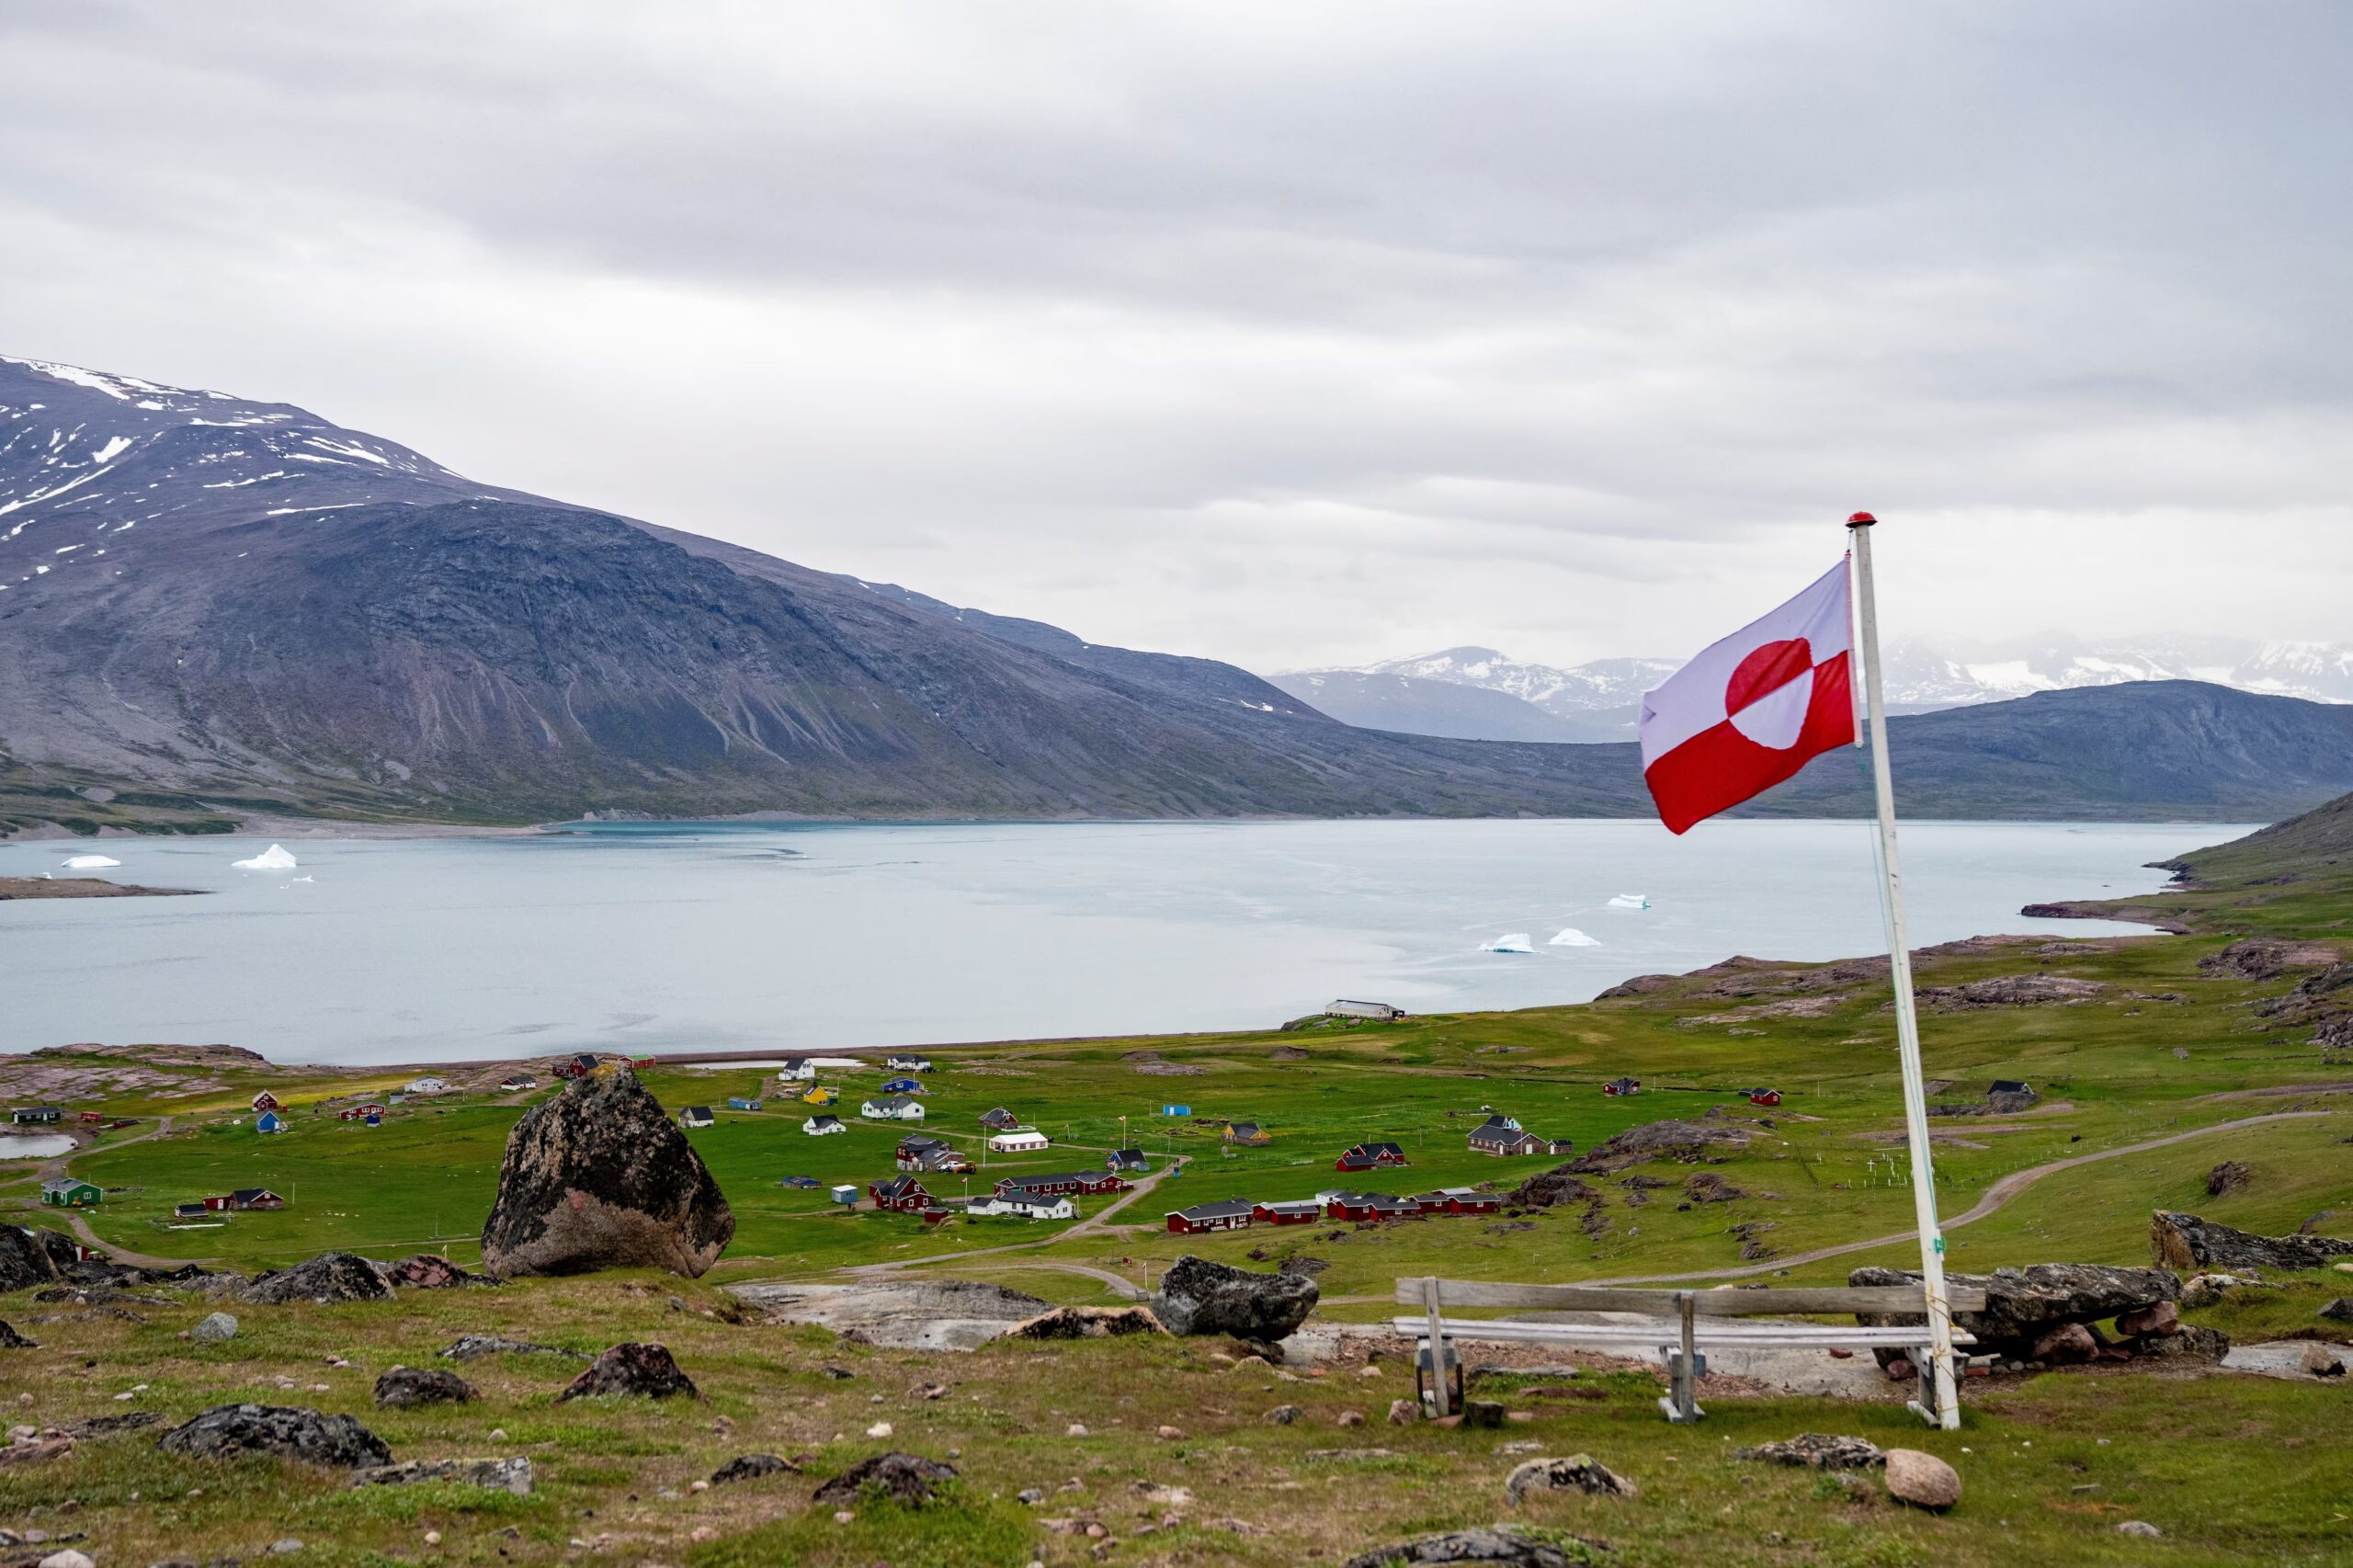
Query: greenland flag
(1752, 710)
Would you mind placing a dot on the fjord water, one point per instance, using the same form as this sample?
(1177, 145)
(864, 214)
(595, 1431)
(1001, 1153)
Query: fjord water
(685, 936)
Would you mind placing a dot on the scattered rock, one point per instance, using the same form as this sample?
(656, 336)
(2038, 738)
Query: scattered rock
(1707, 1187)
(215, 1327)
(1578, 1473)
(1196, 1296)
(1922, 1480)
(2186, 1241)
(431, 1271)
(500, 1475)
(286, 1547)
(2066, 1345)
(645, 1371)
(752, 1466)
(1088, 1323)
(1502, 1545)
(1481, 1413)
(11, 1340)
(2187, 1342)
(599, 1177)
(230, 1431)
(2319, 1361)
(473, 1346)
(2150, 1323)
(405, 1387)
(2140, 1529)
(1282, 1415)
(1170, 1434)
(1818, 1451)
(2338, 1310)
(1351, 1418)
(69, 1558)
(2011, 991)
(330, 1277)
(904, 1478)
(1302, 1266)
(1404, 1411)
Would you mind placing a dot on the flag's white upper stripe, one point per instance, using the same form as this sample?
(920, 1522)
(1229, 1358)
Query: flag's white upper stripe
(1691, 700)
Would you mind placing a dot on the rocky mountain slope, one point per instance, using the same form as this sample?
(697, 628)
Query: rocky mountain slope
(213, 607)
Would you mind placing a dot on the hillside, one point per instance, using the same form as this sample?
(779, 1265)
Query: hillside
(212, 608)
(1416, 705)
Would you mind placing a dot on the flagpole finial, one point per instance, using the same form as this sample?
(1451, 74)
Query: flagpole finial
(1861, 520)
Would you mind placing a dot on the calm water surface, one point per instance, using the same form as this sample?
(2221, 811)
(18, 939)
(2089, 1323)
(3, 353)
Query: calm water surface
(687, 937)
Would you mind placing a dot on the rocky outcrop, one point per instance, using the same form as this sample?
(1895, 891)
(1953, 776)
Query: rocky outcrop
(502, 1475)
(233, 1431)
(403, 1388)
(1578, 1473)
(752, 1466)
(1196, 1296)
(643, 1371)
(2011, 991)
(12, 1340)
(1088, 1323)
(473, 1346)
(906, 1479)
(1818, 1451)
(1922, 1480)
(2228, 1177)
(24, 1262)
(2186, 1241)
(1684, 1140)
(908, 1315)
(2022, 1305)
(1547, 1189)
(2263, 958)
(599, 1177)
(330, 1277)
(1503, 1546)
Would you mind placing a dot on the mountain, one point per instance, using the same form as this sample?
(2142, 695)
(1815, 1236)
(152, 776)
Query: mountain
(211, 608)
(1600, 700)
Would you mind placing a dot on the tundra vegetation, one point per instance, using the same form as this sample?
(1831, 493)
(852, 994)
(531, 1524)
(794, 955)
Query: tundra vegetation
(1147, 1448)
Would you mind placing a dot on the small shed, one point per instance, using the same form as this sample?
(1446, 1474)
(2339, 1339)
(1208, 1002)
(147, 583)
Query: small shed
(696, 1116)
(820, 1097)
(1249, 1133)
(1175, 1111)
(71, 1192)
(1029, 1143)
(845, 1196)
(196, 1210)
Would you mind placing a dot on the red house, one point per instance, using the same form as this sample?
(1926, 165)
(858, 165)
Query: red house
(1475, 1203)
(94, 1116)
(1305, 1211)
(358, 1112)
(904, 1195)
(1763, 1096)
(1227, 1214)
(266, 1101)
(1362, 1206)
(1622, 1086)
(1369, 1156)
(1065, 1183)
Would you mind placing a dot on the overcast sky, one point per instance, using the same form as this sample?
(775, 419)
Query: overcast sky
(1289, 333)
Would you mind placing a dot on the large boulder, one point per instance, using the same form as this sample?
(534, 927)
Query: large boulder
(429, 1271)
(1922, 1480)
(907, 1479)
(1578, 1473)
(330, 1277)
(599, 1177)
(405, 1387)
(24, 1262)
(643, 1372)
(231, 1431)
(2024, 1304)
(2188, 1243)
(1196, 1296)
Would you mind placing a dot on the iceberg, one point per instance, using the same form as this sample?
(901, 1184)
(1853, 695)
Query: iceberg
(91, 862)
(1630, 901)
(274, 858)
(1516, 942)
(1570, 936)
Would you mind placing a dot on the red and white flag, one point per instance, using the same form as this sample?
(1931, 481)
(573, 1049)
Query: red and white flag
(1752, 710)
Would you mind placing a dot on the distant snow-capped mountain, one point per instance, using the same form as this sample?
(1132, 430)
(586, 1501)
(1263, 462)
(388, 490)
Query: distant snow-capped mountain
(1429, 694)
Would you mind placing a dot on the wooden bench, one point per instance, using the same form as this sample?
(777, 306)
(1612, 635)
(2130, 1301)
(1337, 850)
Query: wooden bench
(1679, 1326)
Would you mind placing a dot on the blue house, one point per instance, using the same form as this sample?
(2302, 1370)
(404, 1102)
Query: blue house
(267, 1122)
(903, 1086)
(1175, 1111)
(373, 1120)
(740, 1102)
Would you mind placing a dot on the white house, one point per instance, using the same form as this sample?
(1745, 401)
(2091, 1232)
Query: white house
(1025, 1142)
(1379, 1012)
(818, 1126)
(696, 1116)
(906, 1061)
(428, 1086)
(1024, 1205)
(898, 1108)
(798, 1070)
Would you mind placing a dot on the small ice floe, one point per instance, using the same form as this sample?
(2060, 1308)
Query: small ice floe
(1512, 942)
(1570, 936)
(302, 880)
(91, 862)
(274, 858)
(1630, 901)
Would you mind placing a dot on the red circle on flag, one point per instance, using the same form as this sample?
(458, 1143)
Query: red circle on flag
(1765, 670)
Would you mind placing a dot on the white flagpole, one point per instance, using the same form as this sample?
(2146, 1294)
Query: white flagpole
(1907, 1020)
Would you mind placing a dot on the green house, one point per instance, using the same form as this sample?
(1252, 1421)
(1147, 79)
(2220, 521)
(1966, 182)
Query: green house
(71, 1192)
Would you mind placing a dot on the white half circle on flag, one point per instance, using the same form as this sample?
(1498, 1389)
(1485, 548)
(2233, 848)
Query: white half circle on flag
(1777, 719)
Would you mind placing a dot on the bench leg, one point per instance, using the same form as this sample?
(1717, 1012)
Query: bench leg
(1925, 1407)
(1684, 1365)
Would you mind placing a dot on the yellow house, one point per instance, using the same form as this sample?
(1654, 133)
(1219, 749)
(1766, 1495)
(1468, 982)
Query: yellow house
(821, 1096)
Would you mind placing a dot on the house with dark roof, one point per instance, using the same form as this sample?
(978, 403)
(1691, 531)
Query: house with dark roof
(1369, 1156)
(196, 1210)
(1763, 1096)
(71, 1192)
(252, 1197)
(1301, 1211)
(1619, 1086)
(906, 1061)
(579, 1066)
(1226, 1214)
(266, 1101)
(36, 1114)
(823, 1122)
(915, 1145)
(2005, 1095)
(1246, 1132)
(360, 1112)
(893, 1108)
(901, 1193)
(1504, 1138)
(696, 1116)
(796, 1070)
(1128, 1160)
(1000, 1119)
(1025, 1203)
(1084, 1183)
(902, 1087)
(944, 1159)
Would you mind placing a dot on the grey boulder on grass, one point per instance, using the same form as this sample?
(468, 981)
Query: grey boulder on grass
(231, 1431)
(599, 1177)
(1196, 1296)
